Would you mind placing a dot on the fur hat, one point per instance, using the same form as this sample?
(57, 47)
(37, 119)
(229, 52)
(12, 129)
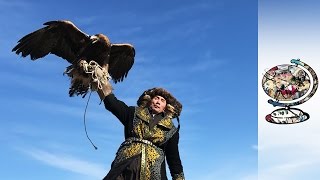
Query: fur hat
(173, 108)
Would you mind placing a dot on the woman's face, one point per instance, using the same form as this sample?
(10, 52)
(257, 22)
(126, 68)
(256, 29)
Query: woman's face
(158, 104)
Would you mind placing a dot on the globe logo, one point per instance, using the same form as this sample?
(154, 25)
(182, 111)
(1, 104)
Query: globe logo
(289, 85)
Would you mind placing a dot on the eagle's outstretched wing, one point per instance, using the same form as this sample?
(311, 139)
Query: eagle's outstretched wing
(121, 61)
(61, 38)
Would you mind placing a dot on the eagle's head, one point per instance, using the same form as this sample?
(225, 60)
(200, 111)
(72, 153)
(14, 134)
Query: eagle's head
(100, 38)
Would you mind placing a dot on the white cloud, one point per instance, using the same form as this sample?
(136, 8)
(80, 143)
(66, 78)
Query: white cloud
(13, 4)
(205, 64)
(67, 162)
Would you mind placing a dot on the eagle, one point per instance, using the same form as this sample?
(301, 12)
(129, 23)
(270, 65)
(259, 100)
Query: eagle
(63, 39)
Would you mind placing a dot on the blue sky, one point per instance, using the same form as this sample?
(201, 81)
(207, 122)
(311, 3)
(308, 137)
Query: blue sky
(287, 30)
(204, 52)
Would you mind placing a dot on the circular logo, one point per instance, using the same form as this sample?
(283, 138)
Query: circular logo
(289, 85)
(286, 82)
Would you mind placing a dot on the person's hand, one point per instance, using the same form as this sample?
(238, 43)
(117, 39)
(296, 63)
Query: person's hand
(102, 84)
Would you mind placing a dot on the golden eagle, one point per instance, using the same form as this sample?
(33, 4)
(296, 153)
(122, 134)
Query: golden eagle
(64, 39)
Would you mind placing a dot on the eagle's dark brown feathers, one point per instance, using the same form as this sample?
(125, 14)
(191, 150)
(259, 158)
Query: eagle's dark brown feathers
(64, 39)
(120, 54)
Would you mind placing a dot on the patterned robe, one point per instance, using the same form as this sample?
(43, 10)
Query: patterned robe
(148, 142)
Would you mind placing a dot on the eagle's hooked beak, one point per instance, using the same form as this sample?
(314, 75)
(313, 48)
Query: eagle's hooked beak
(94, 39)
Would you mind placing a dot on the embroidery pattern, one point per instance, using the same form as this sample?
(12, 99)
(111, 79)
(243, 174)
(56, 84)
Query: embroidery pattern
(146, 142)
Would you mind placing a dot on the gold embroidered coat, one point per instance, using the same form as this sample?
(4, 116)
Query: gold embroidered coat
(149, 141)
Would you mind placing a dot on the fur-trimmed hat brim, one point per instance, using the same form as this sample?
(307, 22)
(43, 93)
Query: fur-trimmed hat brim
(173, 105)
